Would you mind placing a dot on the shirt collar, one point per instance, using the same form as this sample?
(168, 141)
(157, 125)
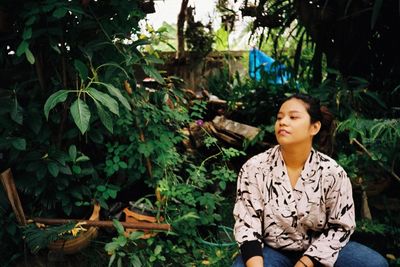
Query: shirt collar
(309, 169)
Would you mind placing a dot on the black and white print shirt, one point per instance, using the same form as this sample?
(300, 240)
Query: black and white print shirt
(316, 216)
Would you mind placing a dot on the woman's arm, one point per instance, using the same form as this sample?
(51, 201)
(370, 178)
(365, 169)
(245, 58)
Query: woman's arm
(304, 261)
(248, 212)
(340, 220)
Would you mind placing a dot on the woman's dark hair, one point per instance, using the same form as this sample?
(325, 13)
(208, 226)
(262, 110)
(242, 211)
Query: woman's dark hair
(324, 138)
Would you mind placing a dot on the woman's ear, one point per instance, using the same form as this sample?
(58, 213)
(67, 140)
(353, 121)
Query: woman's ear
(315, 127)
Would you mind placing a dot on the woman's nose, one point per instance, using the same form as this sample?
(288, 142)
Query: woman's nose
(283, 121)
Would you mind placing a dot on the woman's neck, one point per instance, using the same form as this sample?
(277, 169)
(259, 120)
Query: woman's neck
(295, 156)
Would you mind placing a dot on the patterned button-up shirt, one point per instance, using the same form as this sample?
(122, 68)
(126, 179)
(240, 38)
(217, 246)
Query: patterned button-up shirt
(316, 216)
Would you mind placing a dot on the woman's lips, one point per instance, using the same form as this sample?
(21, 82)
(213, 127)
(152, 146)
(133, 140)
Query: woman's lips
(283, 132)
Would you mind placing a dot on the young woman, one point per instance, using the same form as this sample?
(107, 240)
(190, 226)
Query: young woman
(294, 204)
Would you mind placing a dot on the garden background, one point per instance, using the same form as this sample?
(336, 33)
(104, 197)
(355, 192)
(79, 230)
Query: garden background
(100, 109)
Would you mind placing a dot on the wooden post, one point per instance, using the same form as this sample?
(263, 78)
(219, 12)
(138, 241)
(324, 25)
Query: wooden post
(12, 194)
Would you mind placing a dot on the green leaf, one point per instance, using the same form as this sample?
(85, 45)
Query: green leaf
(101, 188)
(53, 168)
(222, 185)
(152, 72)
(53, 44)
(157, 250)
(81, 114)
(72, 152)
(117, 93)
(77, 10)
(376, 98)
(152, 59)
(76, 169)
(16, 112)
(19, 143)
(123, 165)
(30, 21)
(221, 39)
(135, 235)
(53, 100)
(58, 156)
(81, 68)
(27, 34)
(112, 193)
(118, 226)
(133, 59)
(146, 148)
(29, 56)
(77, 194)
(65, 170)
(22, 48)
(82, 158)
(109, 249)
(375, 12)
(105, 100)
(60, 12)
(395, 89)
(135, 261)
(105, 118)
(141, 42)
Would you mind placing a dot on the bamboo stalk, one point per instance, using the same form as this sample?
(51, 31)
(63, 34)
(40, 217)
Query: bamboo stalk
(107, 224)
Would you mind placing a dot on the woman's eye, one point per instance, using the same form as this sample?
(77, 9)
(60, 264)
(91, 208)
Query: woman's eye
(293, 117)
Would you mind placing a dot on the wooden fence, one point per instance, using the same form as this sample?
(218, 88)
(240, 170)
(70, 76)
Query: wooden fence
(195, 72)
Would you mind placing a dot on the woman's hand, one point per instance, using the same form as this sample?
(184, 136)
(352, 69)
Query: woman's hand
(256, 261)
(304, 262)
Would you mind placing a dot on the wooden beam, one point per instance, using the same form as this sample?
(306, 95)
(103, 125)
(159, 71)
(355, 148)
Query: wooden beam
(107, 224)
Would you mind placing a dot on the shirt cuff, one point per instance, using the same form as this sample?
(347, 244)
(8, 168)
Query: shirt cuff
(250, 249)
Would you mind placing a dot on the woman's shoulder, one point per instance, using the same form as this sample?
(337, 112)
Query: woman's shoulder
(329, 164)
(262, 158)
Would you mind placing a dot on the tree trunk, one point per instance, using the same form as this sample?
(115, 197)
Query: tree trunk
(180, 25)
(365, 211)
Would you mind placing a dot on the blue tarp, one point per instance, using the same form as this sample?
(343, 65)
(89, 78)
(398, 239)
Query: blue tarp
(258, 60)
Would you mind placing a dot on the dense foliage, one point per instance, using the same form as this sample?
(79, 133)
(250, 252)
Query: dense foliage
(77, 129)
(63, 65)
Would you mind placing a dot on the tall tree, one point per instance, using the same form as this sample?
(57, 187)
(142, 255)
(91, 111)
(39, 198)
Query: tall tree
(181, 30)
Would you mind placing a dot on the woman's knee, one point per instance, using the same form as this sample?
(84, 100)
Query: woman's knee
(358, 255)
(377, 260)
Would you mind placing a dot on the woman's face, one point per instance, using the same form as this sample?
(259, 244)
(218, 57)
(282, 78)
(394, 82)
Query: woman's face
(293, 124)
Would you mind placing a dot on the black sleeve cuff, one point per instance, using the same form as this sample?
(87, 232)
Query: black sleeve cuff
(250, 249)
